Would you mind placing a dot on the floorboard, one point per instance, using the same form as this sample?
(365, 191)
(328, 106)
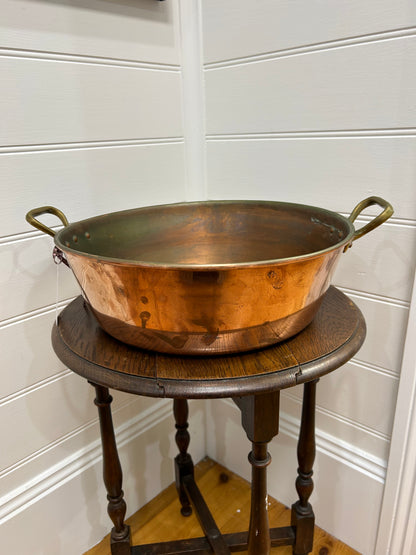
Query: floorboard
(228, 497)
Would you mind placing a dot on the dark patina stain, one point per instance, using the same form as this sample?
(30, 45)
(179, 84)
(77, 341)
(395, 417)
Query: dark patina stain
(177, 341)
(144, 316)
(276, 278)
(206, 276)
(209, 338)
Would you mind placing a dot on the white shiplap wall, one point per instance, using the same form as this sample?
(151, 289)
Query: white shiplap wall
(102, 109)
(313, 102)
(91, 122)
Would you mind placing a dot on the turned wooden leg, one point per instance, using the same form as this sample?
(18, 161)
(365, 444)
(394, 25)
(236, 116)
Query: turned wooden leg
(112, 474)
(183, 461)
(260, 420)
(302, 514)
(258, 532)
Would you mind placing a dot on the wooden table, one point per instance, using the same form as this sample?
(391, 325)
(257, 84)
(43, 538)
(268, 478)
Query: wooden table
(253, 380)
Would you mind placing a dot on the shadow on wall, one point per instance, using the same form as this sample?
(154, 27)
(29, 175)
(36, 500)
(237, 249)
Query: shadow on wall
(229, 443)
(139, 22)
(144, 9)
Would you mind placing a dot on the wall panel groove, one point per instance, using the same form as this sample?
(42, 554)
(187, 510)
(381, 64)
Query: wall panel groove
(47, 449)
(124, 408)
(351, 422)
(314, 134)
(249, 28)
(296, 397)
(313, 103)
(374, 368)
(386, 328)
(31, 277)
(70, 491)
(377, 298)
(43, 416)
(342, 397)
(145, 31)
(347, 453)
(92, 122)
(312, 48)
(34, 387)
(80, 59)
(343, 91)
(345, 427)
(87, 102)
(85, 182)
(364, 461)
(40, 485)
(57, 147)
(24, 236)
(393, 222)
(35, 313)
(332, 173)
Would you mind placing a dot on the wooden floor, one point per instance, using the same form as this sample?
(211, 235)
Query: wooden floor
(228, 497)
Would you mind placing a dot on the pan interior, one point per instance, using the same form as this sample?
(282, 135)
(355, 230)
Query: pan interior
(207, 233)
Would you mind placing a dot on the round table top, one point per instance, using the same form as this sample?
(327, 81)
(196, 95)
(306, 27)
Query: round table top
(334, 336)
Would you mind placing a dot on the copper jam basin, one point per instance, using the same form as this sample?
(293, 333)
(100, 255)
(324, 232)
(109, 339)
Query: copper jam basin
(207, 278)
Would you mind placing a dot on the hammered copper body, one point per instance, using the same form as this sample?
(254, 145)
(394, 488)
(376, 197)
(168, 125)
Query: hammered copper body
(208, 277)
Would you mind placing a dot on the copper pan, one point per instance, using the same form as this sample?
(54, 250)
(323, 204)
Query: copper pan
(207, 277)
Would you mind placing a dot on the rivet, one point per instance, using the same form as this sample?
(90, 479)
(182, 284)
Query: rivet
(87, 235)
(75, 238)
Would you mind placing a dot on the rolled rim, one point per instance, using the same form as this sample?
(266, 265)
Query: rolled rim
(207, 267)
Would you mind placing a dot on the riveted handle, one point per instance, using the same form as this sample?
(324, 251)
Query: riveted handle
(378, 220)
(32, 214)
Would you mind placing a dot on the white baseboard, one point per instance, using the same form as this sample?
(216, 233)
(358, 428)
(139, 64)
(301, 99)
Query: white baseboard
(62, 510)
(348, 482)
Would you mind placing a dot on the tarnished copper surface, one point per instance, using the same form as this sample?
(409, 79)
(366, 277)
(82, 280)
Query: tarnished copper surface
(195, 311)
(207, 277)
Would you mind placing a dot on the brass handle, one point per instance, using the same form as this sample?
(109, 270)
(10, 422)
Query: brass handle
(31, 218)
(378, 220)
